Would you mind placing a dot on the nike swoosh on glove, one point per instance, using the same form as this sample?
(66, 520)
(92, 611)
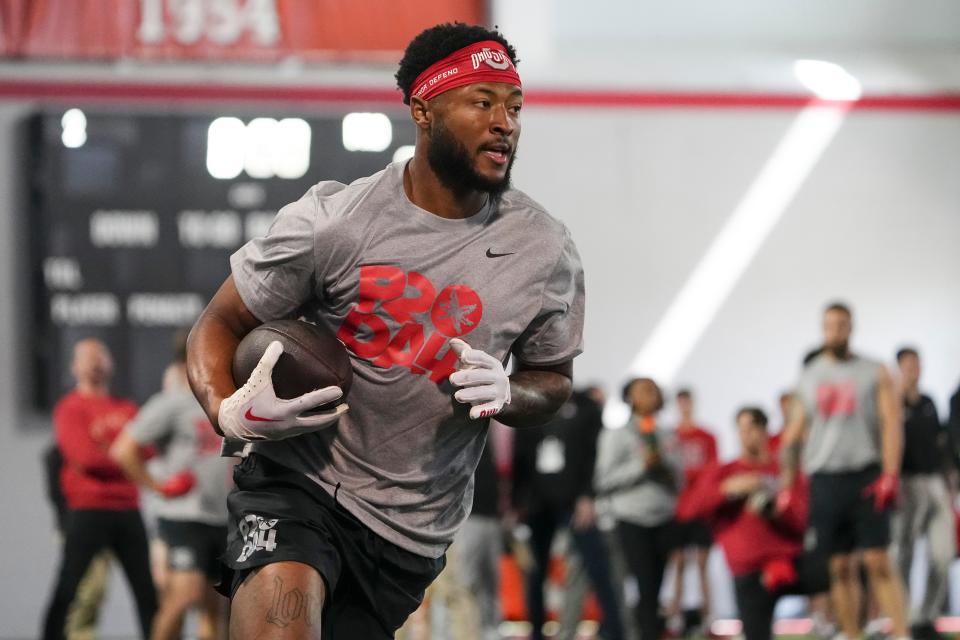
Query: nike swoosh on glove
(484, 384)
(254, 412)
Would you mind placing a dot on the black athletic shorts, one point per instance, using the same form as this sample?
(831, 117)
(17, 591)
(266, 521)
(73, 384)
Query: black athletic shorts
(193, 546)
(277, 514)
(756, 604)
(693, 533)
(841, 517)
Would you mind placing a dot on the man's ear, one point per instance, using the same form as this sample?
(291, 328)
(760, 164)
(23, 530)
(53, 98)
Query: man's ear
(421, 113)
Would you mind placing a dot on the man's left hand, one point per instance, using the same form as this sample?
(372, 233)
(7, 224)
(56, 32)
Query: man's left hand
(884, 491)
(484, 384)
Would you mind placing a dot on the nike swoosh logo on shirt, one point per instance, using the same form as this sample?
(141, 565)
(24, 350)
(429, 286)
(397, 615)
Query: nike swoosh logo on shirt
(491, 254)
(249, 416)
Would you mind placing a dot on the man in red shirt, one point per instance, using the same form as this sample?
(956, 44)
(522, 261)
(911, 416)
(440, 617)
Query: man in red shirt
(103, 504)
(697, 450)
(761, 532)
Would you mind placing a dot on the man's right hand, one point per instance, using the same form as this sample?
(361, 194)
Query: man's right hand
(254, 412)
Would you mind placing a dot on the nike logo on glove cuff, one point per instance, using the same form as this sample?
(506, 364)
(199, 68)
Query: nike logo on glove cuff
(491, 254)
(249, 416)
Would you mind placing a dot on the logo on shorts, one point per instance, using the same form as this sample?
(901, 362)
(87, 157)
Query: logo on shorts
(258, 535)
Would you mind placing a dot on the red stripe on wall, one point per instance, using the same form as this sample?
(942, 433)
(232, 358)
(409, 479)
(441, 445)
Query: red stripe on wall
(80, 92)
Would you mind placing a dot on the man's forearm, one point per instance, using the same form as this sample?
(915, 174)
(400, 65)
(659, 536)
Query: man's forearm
(208, 368)
(790, 454)
(892, 446)
(211, 345)
(125, 451)
(535, 397)
(889, 403)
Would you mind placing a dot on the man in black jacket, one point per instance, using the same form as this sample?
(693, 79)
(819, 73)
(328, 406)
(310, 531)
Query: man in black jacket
(552, 489)
(925, 507)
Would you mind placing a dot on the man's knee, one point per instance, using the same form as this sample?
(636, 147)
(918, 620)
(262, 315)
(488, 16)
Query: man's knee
(185, 589)
(877, 563)
(841, 568)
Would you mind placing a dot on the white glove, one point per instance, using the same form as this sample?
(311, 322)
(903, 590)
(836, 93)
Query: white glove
(254, 412)
(485, 383)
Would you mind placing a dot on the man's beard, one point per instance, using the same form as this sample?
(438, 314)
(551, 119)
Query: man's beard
(451, 162)
(838, 351)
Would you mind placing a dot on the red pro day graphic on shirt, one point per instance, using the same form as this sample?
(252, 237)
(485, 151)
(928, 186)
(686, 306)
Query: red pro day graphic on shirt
(837, 399)
(402, 320)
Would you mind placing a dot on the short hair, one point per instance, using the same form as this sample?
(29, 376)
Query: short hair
(685, 392)
(436, 43)
(629, 385)
(836, 305)
(756, 414)
(903, 352)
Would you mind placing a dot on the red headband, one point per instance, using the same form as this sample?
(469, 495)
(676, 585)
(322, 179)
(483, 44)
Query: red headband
(485, 61)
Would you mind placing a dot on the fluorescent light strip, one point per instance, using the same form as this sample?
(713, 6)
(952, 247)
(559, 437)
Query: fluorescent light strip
(733, 249)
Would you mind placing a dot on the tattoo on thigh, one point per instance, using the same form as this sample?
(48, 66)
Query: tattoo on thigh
(289, 606)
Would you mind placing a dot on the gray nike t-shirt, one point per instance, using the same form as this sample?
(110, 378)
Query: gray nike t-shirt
(840, 400)
(174, 422)
(396, 283)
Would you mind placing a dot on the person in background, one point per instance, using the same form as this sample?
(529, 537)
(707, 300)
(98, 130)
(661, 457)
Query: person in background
(479, 545)
(821, 611)
(553, 488)
(925, 506)
(576, 586)
(761, 538)
(696, 451)
(103, 503)
(953, 422)
(85, 609)
(635, 471)
(846, 425)
(193, 481)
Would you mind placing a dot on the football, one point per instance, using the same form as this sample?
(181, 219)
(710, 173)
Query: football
(312, 358)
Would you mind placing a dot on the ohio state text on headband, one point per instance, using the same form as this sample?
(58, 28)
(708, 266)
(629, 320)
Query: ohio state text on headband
(485, 61)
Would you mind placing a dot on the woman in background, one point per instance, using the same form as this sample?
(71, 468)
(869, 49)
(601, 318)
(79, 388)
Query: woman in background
(637, 473)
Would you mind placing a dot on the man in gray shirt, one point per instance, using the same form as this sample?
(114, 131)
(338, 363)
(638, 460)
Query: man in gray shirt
(846, 424)
(433, 273)
(193, 481)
